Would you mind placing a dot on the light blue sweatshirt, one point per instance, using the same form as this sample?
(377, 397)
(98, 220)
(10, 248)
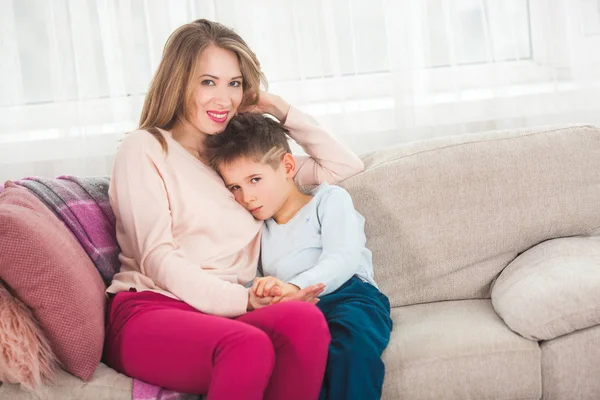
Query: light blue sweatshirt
(324, 242)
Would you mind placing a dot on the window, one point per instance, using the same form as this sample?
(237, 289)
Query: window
(475, 31)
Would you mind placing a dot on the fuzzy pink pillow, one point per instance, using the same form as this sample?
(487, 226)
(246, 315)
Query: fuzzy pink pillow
(26, 355)
(47, 269)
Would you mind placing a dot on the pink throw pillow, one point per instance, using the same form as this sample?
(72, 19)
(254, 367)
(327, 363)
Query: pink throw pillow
(26, 355)
(47, 269)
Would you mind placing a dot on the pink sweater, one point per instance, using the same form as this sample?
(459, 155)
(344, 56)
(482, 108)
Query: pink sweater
(180, 230)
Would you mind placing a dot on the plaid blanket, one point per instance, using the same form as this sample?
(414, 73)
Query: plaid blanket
(145, 391)
(82, 204)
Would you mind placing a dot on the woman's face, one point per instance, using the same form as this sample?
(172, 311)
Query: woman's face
(217, 90)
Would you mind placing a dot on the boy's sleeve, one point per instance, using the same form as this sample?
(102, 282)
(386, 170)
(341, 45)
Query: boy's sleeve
(259, 270)
(343, 238)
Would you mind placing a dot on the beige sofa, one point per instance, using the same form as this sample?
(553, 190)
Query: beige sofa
(486, 247)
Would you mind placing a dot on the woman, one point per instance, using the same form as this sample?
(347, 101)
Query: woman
(180, 314)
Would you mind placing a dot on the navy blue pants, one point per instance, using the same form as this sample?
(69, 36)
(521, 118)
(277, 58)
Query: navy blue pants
(358, 315)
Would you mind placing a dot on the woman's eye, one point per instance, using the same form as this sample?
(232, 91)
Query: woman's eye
(208, 82)
(254, 180)
(235, 83)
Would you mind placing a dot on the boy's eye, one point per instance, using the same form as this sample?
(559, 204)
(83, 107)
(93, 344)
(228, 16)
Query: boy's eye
(233, 188)
(235, 83)
(208, 82)
(254, 180)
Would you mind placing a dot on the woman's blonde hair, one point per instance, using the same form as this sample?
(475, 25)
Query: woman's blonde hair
(169, 93)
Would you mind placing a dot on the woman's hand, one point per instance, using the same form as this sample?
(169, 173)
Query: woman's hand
(269, 103)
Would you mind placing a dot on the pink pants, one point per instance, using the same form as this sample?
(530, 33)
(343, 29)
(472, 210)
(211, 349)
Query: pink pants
(277, 352)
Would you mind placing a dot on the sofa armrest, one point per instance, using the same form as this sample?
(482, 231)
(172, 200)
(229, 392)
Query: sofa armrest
(552, 289)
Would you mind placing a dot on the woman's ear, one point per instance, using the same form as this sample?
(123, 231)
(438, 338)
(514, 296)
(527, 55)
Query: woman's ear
(289, 163)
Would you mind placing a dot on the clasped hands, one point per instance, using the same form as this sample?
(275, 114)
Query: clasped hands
(270, 290)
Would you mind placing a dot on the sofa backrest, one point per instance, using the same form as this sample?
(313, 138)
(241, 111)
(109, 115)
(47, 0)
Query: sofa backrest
(445, 216)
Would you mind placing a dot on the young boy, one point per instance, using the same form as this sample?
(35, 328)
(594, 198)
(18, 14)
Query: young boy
(309, 239)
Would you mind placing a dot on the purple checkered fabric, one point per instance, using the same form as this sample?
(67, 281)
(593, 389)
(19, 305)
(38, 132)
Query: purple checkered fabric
(82, 204)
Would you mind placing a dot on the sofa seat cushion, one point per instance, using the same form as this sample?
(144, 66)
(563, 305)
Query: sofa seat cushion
(47, 269)
(551, 289)
(571, 366)
(458, 350)
(105, 384)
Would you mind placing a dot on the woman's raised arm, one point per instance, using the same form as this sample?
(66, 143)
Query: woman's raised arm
(328, 159)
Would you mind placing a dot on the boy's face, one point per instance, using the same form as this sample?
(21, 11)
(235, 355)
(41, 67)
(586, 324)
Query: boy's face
(258, 187)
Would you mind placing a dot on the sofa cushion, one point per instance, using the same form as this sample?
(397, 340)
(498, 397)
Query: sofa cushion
(105, 384)
(458, 350)
(26, 357)
(551, 289)
(445, 216)
(571, 366)
(47, 269)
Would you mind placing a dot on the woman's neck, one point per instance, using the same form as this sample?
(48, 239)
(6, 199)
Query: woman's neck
(189, 138)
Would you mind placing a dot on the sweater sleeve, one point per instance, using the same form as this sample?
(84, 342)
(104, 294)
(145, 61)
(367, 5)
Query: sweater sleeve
(342, 238)
(141, 200)
(328, 159)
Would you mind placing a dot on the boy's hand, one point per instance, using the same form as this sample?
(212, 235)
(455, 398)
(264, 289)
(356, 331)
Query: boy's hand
(309, 294)
(271, 287)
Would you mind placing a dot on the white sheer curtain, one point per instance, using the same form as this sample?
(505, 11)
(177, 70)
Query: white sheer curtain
(377, 72)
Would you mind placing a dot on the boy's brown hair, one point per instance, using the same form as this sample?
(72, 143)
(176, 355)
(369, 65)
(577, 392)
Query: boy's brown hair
(249, 135)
